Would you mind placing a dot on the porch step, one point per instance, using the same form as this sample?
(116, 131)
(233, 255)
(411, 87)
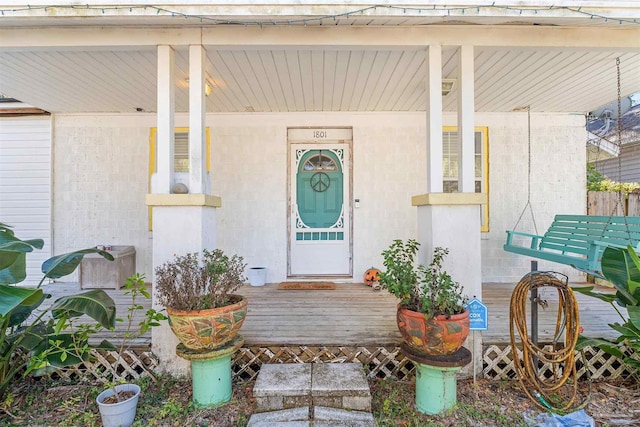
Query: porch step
(334, 385)
(312, 394)
(317, 416)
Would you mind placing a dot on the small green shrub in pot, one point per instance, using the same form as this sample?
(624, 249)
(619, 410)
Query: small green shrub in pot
(426, 289)
(118, 403)
(428, 297)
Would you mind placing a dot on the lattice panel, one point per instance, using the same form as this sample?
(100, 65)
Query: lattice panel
(105, 366)
(498, 364)
(381, 362)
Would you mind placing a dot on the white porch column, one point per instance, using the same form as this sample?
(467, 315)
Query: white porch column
(197, 140)
(466, 107)
(452, 220)
(182, 223)
(166, 119)
(434, 119)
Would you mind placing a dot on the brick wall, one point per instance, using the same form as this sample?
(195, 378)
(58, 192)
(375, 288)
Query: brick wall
(100, 169)
(101, 178)
(558, 184)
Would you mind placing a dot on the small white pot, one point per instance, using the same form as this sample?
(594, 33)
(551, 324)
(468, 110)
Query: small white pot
(122, 413)
(257, 276)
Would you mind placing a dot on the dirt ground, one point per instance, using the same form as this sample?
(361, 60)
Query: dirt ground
(167, 402)
(503, 403)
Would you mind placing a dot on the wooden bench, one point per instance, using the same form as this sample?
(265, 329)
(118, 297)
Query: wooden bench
(578, 240)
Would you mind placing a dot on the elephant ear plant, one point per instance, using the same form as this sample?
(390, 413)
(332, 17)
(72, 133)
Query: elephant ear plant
(35, 340)
(621, 267)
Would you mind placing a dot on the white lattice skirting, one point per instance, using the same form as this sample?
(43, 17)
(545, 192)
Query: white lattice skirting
(379, 362)
(498, 364)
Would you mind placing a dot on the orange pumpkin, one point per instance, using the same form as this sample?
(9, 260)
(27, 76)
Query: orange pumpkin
(371, 275)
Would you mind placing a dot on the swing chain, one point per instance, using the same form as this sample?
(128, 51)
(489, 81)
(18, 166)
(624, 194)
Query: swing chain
(528, 204)
(619, 203)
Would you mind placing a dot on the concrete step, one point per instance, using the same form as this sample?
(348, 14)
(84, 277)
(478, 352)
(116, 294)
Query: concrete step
(334, 385)
(284, 418)
(312, 395)
(330, 417)
(317, 417)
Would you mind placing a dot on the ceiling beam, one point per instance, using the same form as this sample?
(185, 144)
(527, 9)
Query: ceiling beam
(619, 39)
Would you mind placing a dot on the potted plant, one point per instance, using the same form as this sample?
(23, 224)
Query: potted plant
(118, 404)
(431, 315)
(198, 292)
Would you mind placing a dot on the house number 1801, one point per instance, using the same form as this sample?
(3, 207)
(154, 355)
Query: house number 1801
(317, 134)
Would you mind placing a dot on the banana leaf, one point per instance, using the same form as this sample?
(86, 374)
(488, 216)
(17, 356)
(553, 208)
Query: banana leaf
(11, 246)
(69, 353)
(16, 272)
(62, 265)
(588, 290)
(621, 267)
(64, 349)
(606, 346)
(634, 315)
(31, 336)
(12, 297)
(94, 303)
(24, 311)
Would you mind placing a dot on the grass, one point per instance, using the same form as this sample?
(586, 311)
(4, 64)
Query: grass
(394, 406)
(167, 402)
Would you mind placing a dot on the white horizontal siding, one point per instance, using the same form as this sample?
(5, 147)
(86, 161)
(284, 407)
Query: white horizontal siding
(25, 184)
(627, 169)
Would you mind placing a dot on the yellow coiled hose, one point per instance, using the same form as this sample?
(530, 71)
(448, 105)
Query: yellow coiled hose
(544, 389)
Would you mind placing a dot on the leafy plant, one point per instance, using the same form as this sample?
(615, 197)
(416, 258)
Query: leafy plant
(598, 182)
(425, 289)
(621, 267)
(135, 287)
(190, 282)
(42, 336)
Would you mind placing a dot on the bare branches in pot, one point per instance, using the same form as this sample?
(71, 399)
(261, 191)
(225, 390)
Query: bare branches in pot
(198, 291)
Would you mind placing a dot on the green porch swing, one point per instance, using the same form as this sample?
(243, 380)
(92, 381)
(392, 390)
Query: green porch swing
(576, 240)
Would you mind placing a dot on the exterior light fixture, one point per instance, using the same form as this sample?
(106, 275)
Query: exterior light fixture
(447, 86)
(207, 86)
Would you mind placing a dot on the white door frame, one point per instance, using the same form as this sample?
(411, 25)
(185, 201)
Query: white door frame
(321, 136)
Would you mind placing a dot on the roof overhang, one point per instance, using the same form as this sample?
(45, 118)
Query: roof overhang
(325, 13)
(311, 56)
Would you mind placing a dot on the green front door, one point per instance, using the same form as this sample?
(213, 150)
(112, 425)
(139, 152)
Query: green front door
(319, 235)
(319, 194)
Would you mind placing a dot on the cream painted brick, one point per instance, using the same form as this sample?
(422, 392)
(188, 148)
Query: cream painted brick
(100, 182)
(101, 178)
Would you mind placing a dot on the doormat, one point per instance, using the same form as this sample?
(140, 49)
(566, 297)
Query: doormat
(307, 286)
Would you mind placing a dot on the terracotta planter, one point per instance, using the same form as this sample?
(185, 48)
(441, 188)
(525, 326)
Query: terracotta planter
(434, 336)
(208, 329)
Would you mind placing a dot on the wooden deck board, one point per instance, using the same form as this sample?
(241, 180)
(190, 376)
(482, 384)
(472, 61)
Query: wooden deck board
(354, 314)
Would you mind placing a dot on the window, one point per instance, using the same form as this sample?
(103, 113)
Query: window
(180, 155)
(180, 150)
(450, 140)
(319, 163)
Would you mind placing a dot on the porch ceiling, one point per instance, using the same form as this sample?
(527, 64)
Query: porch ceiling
(323, 78)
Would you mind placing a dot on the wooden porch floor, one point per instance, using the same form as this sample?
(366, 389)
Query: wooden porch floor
(354, 314)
